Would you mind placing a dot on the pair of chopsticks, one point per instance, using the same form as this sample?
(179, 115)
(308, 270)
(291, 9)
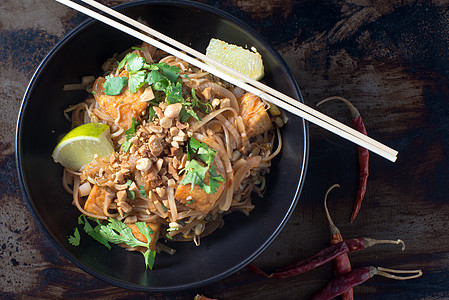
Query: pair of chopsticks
(236, 78)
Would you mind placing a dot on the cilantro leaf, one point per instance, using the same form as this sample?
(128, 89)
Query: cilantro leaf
(75, 239)
(131, 131)
(157, 81)
(202, 151)
(192, 113)
(125, 146)
(136, 81)
(195, 174)
(149, 258)
(135, 62)
(205, 107)
(145, 230)
(171, 72)
(214, 180)
(150, 66)
(142, 191)
(93, 232)
(130, 194)
(114, 85)
(174, 93)
(151, 113)
(118, 232)
(137, 48)
(184, 115)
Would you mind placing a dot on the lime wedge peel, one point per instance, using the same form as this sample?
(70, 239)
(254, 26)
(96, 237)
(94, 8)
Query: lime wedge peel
(82, 144)
(242, 60)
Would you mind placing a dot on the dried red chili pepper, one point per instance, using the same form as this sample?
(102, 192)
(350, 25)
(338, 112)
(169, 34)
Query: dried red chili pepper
(342, 265)
(363, 153)
(347, 281)
(322, 257)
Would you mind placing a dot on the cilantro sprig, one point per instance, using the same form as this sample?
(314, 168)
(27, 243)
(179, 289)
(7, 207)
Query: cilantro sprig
(116, 232)
(195, 172)
(114, 85)
(129, 133)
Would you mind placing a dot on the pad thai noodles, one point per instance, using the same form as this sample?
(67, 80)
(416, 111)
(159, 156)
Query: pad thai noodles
(189, 148)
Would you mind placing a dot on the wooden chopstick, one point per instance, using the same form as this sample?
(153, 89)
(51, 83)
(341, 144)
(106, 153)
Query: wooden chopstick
(232, 76)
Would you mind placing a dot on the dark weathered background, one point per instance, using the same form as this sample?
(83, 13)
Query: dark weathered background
(390, 58)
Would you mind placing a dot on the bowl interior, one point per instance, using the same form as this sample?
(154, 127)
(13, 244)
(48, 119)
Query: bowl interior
(41, 121)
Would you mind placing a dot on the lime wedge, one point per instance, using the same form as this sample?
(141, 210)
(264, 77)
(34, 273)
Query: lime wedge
(82, 144)
(242, 60)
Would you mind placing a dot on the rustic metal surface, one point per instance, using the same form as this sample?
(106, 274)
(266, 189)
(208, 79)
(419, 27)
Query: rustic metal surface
(390, 58)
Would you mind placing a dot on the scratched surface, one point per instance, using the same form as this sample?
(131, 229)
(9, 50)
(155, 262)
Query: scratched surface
(390, 59)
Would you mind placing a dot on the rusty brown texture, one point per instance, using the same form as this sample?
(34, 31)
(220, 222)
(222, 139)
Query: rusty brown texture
(390, 58)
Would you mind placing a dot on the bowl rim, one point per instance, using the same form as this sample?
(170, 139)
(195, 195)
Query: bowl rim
(19, 147)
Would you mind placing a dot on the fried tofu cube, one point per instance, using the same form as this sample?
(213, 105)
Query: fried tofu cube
(95, 201)
(255, 116)
(124, 106)
(154, 236)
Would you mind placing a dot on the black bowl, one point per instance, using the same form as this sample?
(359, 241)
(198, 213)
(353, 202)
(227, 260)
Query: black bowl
(41, 121)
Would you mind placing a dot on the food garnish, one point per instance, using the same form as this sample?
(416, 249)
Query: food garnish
(195, 173)
(245, 61)
(116, 232)
(82, 144)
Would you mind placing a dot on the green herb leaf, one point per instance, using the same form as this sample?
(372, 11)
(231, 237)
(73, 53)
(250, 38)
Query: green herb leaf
(137, 48)
(151, 113)
(201, 150)
(157, 81)
(173, 93)
(205, 107)
(131, 131)
(171, 72)
(117, 232)
(135, 62)
(125, 146)
(93, 232)
(145, 230)
(149, 258)
(214, 180)
(130, 194)
(136, 81)
(150, 67)
(195, 174)
(192, 113)
(75, 239)
(184, 116)
(114, 85)
(142, 191)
